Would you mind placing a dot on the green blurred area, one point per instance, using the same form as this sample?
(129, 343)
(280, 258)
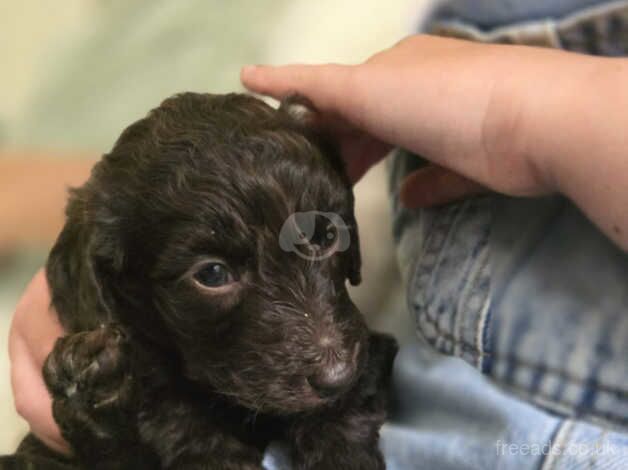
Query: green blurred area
(77, 72)
(131, 56)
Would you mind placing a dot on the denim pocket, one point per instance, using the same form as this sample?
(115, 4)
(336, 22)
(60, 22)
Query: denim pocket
(444, 260)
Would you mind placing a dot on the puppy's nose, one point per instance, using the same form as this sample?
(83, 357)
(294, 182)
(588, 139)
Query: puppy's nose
(334, 378)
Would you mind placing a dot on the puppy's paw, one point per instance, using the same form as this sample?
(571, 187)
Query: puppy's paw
(382, 351)
(89, 377)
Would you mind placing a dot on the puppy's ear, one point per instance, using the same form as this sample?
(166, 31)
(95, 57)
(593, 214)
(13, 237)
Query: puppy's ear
(355, 266)
(77, 287)
(302, 114)
(91, 278)
(63, 272)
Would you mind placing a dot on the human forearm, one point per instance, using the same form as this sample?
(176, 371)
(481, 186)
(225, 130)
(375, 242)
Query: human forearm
(576, 131)
(518, 120)
(450, 101)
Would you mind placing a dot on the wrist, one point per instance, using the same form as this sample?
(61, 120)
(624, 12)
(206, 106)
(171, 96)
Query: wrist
(514, 164)
(556, 101)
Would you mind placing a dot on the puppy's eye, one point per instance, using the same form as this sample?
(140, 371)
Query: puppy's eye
(214, 274)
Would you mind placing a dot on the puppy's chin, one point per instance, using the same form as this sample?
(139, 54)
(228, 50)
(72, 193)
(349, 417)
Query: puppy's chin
(299, 402)
(275, 399)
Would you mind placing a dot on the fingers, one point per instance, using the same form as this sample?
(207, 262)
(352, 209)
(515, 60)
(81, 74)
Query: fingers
(332, 91)
(32, 401)
(34, 329)
(325, 85)
(433, 185)
(360, 154)
(34, 319)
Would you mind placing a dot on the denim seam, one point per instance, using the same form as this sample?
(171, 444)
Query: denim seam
(523, 362)
(566, 408)
(429, 246)
(483, 313)
(550, 29)
(440, 333)
(413, 277)
(545, 29)
(420, 269)
(592, 12)
(552, 438)
(600, 387)
(482, 333)
(443, 231)
(472, 271)
(561, 438)
(452, 214)
(471, 267)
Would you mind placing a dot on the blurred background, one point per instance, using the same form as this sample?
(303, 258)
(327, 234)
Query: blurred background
(76, 72)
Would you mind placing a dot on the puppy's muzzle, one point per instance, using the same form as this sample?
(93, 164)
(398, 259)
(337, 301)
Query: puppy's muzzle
(336, 376)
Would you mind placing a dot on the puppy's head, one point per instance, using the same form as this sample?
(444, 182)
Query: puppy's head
(222, 230)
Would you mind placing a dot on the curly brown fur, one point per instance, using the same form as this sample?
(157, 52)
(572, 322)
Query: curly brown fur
(162, 368)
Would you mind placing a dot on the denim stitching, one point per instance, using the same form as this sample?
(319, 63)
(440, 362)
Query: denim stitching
(479, 285)
(585, 383)
(574, 407)
(547, 456)
(476, 276)
(482, 339)
(590, 30)
(619, 392)
(562, 437)
(423, 278)
(422, 269)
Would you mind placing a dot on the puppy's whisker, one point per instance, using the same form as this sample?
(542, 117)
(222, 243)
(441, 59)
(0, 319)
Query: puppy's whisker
(299, 296)
(292, 309)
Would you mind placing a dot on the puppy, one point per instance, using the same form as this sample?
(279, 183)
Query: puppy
(201, 278)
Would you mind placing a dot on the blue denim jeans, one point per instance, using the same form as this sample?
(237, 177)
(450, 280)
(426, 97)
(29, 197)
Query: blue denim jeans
(520, 305)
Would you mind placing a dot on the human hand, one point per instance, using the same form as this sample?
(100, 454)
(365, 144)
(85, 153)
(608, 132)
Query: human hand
(447, 100)
(359, 149)
(34, 330)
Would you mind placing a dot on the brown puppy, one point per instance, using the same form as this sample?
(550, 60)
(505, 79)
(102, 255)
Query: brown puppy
(201, 279)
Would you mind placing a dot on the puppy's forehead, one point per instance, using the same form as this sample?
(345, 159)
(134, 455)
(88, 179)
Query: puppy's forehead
(251, 163)
(228, 163)
(243, 189)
